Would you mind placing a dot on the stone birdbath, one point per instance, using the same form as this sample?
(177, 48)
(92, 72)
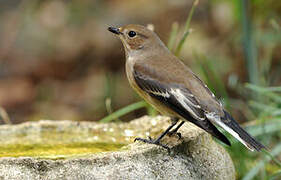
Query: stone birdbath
(88, 150)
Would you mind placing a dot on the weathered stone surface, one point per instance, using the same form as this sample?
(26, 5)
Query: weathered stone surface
(84, 150)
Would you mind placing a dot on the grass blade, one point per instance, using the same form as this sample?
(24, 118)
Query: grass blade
(124, 111)
(179, 47)
(263, 89)
(195, 3)
(173, 35)
(267, 128)
(186, 28)
(254, 171)
(249, 43)
(275, 175)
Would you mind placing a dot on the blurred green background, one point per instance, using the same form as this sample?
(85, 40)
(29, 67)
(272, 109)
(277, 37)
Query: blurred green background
(58, 61)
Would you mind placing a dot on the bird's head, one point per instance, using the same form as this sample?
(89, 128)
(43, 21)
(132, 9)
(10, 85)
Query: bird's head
(136, 37)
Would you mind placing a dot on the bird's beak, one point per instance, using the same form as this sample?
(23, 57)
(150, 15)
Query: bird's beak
(114, 30)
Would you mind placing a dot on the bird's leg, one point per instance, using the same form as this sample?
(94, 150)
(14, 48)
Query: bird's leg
(157, 140)
(176, 129)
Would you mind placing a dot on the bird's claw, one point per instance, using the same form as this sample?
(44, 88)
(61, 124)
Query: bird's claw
(172, 133)
(152, 141)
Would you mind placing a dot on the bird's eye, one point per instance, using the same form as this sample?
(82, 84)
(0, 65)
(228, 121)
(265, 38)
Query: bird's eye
(132, 33)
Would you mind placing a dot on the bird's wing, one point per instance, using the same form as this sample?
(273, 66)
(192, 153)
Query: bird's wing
(191, 99)
(175, 96)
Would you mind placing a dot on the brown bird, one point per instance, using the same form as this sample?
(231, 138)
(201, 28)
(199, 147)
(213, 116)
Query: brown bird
(164, 81)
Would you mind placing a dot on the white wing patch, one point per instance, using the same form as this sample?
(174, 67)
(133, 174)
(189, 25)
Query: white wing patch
(164, 94)
(216, 120)
(185, 102)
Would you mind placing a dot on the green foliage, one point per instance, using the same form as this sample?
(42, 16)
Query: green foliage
(266, 128)
(261, 164)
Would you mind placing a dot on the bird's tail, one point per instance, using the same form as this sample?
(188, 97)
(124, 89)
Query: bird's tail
(240, 134)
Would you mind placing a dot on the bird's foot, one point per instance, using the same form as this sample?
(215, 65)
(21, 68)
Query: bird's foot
(171, 133)
(152, 141)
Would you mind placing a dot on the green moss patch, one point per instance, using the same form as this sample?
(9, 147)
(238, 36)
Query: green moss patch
(56, 151)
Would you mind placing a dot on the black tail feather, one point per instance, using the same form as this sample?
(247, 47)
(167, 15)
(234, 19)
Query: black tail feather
(250, 141)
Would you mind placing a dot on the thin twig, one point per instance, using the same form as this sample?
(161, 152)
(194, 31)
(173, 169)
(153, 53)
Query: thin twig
(4, 115)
